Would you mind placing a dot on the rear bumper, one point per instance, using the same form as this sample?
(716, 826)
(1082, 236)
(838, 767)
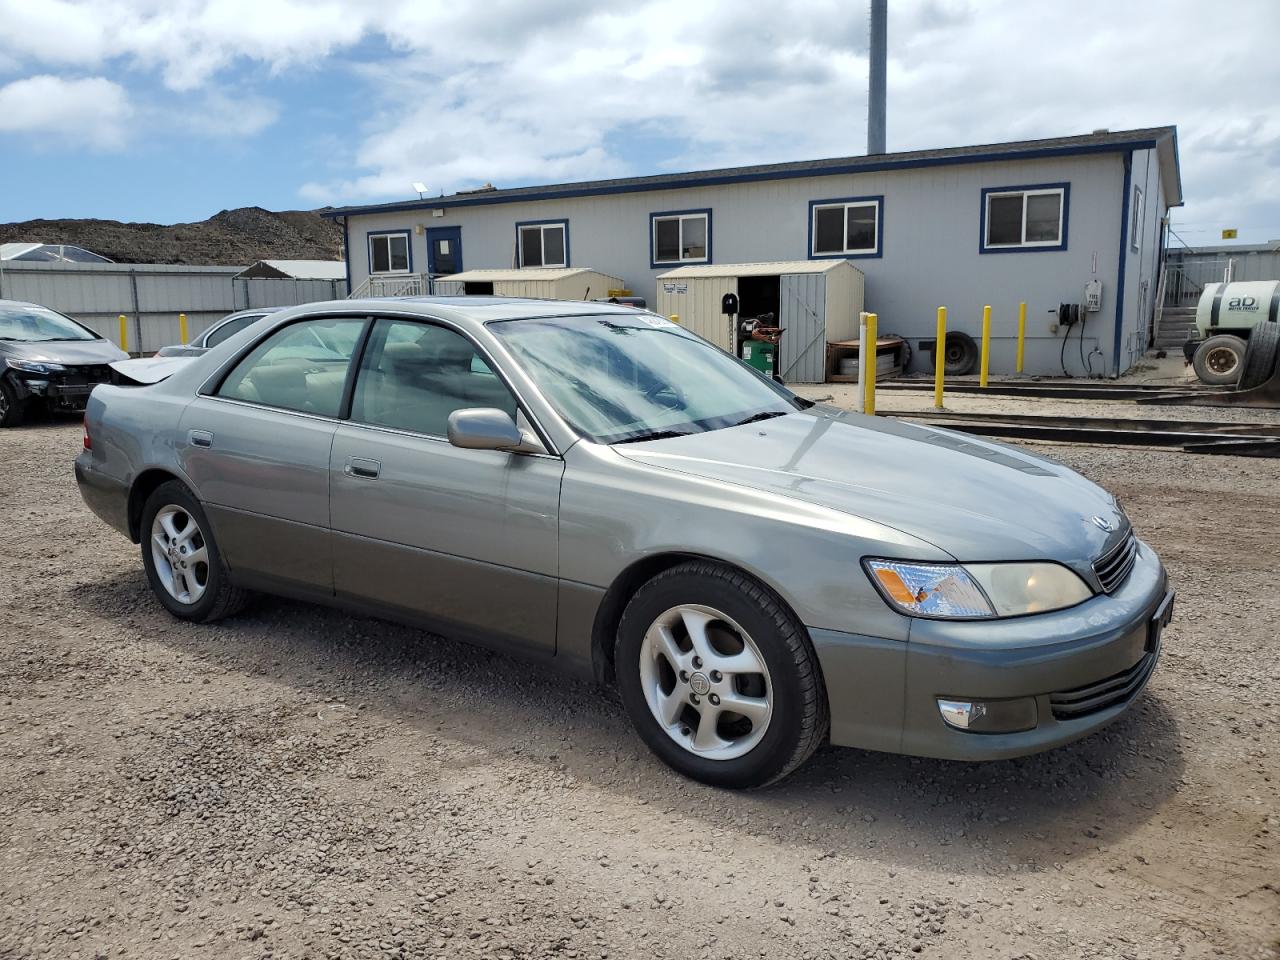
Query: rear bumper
(1083, 667)
(104, 495)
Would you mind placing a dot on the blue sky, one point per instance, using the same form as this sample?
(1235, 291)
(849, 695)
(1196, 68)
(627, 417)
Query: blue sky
(170, 110)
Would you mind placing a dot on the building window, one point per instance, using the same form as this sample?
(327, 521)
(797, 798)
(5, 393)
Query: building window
(389, 252)
(848, 227)
(1025, 218)
(543, 243)
(1135, 220)
(680, 236)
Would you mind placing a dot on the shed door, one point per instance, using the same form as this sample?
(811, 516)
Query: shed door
(802, 352)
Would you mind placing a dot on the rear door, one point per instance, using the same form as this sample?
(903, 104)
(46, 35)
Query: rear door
(444, 250)
(257, 450)
(464, 538)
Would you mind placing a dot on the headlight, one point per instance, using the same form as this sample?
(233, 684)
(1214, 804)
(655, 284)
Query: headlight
(954, 591)
(33, 366)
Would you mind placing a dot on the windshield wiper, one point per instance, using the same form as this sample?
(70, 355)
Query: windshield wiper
(762, 415)
(655, 435)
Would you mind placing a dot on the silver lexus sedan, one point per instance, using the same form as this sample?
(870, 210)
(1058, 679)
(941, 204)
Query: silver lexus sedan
(595, 486)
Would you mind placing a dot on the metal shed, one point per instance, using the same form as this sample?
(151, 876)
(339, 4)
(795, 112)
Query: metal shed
(815, 301)
(547, 283)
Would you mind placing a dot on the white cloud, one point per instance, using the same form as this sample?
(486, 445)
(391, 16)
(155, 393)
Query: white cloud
(91, 111)
(526, 92)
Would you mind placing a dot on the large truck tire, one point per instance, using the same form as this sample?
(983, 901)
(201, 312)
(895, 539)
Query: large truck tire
(960, 354)
(1219, 359)
(1260, 355)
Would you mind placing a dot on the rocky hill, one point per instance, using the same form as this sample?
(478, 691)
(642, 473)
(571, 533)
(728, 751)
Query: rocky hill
(229, 238)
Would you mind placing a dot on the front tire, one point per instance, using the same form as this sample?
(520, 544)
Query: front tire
(12, 410)
(181, 559)
(719, 678)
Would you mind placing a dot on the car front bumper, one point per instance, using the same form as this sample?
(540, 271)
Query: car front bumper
(1083, 667)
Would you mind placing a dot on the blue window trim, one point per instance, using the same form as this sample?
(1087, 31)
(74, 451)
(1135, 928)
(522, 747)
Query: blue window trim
(1126, 192)
(560, 221)
(878, 200)
(655, 264)
(368, 250)
(1024, 188)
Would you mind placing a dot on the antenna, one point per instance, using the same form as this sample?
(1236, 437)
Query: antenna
(421, 188)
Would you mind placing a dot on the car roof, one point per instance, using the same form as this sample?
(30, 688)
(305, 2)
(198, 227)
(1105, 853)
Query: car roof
(479, 310)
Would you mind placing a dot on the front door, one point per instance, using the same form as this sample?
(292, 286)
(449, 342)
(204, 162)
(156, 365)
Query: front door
(466, 539)
(444, 250)
(257, 451)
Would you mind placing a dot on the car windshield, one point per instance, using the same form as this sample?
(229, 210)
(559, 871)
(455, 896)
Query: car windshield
(35, 324)
(619, 378)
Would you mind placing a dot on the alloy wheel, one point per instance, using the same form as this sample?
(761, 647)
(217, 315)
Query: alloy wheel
(180, 554)
(706, 682)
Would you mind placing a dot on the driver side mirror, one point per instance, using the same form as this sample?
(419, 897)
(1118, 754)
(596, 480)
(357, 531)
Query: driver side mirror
(488, 428)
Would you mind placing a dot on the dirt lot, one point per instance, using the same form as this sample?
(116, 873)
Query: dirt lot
(301, 783)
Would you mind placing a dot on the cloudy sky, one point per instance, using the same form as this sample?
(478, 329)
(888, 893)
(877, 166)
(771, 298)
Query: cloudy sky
(170, 110)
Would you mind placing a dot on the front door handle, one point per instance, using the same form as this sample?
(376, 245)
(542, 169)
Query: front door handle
(363, 468)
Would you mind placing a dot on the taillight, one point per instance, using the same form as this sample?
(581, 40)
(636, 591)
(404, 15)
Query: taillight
(88, 444)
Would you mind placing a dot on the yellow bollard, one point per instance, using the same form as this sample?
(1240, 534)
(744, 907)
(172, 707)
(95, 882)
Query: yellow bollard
(940, 357)
(869, 384)
(986, 344)
(182, 328)
(1022, 331)
(675, 318)
(124, 333)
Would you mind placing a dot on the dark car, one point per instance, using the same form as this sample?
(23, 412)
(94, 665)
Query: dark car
(48, 361)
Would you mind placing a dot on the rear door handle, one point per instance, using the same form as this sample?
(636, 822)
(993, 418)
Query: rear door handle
(363, 468)
(200, 438)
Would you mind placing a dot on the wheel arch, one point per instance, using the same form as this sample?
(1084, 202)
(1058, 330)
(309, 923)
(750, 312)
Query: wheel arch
(604, 632)
(142, 487)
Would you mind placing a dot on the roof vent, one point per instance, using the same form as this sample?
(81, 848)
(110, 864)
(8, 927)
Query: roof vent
(1102, 130)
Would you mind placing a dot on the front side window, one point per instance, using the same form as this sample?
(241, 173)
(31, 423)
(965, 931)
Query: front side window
(413, 375)
(683, 237)
(389, 253)
(300, 367)
(1027, 218)
(544, 244)
(618, 379)
(842, 228)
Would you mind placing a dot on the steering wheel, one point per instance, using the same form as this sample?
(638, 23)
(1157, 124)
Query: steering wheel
(665, 395)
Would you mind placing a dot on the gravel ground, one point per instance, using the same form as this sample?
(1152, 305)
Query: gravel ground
(301, 783)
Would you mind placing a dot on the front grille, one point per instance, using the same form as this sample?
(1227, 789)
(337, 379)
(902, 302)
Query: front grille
(1113, 566)
(1082, 701)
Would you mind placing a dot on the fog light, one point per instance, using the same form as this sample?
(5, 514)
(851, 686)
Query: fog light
(989, 716)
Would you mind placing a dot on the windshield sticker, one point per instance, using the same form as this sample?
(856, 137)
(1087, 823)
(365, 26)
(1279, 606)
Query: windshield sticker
(657, 322)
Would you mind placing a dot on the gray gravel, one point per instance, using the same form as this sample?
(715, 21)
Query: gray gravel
(301, 783)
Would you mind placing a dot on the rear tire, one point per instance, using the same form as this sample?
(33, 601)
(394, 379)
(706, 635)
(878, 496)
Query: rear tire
(1260, 355)
(734, 643)
(12, 410)
(181, 559)
(1218, 360)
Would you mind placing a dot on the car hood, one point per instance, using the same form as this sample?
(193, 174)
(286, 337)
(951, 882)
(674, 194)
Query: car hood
(69, 352)
(974, 499)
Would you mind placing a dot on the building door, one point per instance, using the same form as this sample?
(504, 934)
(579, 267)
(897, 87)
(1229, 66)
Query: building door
(444, 250)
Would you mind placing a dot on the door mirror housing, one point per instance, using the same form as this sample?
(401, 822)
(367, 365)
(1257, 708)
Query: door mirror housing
(484, 428)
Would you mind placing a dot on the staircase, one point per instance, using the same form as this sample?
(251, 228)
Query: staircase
(1175, 326)
(401, 285)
